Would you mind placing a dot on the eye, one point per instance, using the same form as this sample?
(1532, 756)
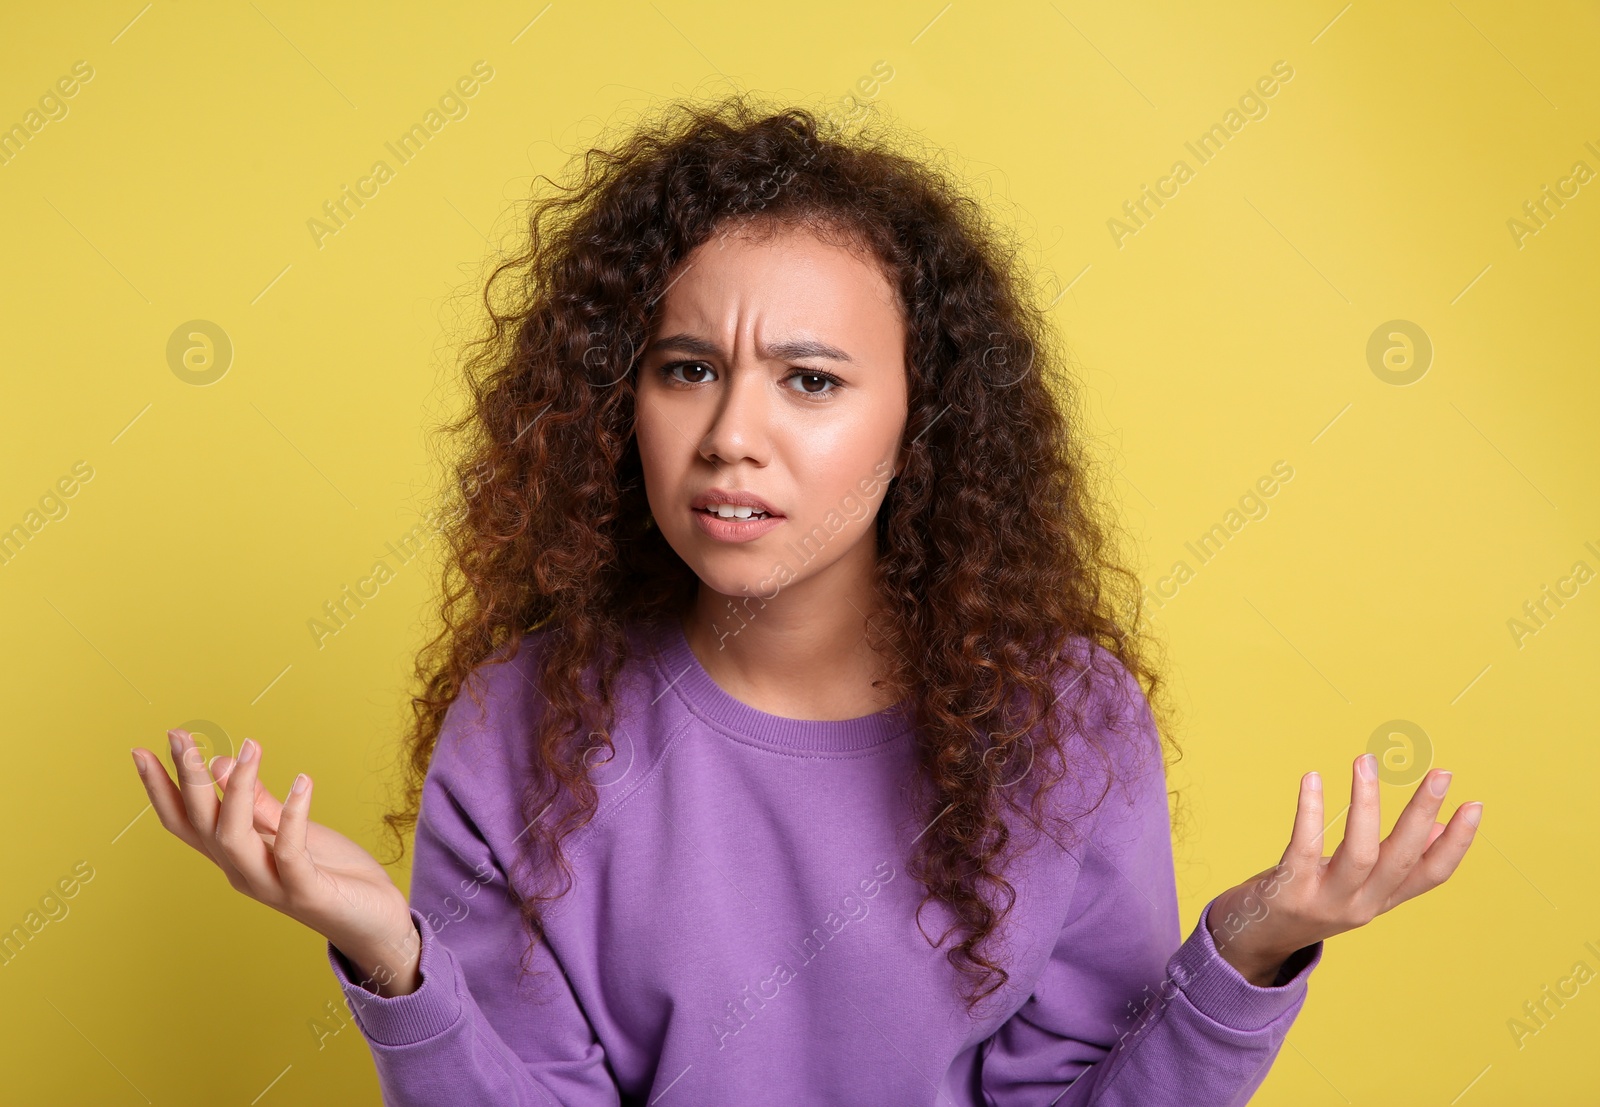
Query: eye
(670, 367)
(813, 375)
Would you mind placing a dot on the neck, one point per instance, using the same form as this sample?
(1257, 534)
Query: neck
(792, 655)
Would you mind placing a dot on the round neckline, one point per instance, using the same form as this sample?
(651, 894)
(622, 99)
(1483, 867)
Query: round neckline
(686, 676)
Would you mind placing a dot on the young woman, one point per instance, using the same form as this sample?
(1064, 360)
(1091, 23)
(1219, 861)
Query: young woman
(809, 755)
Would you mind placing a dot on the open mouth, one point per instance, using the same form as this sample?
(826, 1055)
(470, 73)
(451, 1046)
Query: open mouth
(734, 517)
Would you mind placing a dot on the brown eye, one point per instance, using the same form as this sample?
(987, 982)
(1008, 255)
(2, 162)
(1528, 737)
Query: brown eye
(669, 370)
(809, 377)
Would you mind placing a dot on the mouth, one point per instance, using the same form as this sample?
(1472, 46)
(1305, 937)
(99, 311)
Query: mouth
(736, 517)
(732, 505)
(743, 523)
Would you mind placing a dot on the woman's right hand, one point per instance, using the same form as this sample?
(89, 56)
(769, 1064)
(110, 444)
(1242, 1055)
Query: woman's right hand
(271, 851)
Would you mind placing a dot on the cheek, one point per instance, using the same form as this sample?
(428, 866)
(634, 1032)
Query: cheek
(835, 467)
(842, 454)
(665, 462)
(659, 475)
(654, 438)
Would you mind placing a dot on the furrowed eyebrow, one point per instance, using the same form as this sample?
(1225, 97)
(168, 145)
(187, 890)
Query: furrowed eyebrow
(779, 351)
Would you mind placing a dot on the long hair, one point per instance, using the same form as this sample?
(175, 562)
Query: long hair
(994, 556)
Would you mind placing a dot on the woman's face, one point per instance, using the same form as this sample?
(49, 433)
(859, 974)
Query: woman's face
(777, 370)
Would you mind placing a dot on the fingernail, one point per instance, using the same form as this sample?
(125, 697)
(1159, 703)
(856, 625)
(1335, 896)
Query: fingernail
(1367, 766)
(176, 743)
(137, 764)
(1314, 781)
(1440, 784)
(1473, 813)
(247, 752)
(299, 784)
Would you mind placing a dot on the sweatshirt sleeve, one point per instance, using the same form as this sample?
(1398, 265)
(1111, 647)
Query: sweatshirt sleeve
(1123, 1016)
(473, 1033)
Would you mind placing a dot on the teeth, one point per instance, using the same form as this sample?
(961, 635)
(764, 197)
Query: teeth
(729, 511)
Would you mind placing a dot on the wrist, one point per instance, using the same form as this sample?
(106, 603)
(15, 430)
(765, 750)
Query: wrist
(390, 966)
(1237, 942)
(1262, 970)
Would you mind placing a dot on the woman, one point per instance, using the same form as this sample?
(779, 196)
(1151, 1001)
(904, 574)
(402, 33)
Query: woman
(808, 757)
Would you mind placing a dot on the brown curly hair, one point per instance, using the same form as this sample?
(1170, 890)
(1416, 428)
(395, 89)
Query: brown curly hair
(994, 555)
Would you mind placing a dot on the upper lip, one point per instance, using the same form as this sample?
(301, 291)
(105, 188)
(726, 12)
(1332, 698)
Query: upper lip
(737, 499)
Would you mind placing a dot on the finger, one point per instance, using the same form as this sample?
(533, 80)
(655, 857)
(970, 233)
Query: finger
(200, 799)
(1443, 855)
(1305, 843)
(236, 832)
(165, 799)
(1410, 836)
(267, 806)
(295, 870)
(194, 783)
(1353, 861)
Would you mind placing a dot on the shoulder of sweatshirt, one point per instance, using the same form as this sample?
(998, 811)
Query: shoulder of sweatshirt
(483, 759)
(486, 728)
(1106, 733)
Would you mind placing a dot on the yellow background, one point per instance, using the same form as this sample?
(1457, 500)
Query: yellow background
(1228, 334)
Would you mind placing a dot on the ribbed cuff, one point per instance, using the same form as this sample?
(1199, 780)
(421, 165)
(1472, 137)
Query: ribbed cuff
(409, 1019)
(1220, 991)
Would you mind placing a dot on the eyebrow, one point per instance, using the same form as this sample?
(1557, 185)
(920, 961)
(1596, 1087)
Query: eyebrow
(778, 351)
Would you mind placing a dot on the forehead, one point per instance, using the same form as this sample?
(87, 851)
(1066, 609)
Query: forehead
(779, 281)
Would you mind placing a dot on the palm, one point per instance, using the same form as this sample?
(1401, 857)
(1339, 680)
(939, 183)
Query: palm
(1307, 897)
(356, 884)
(273, 852)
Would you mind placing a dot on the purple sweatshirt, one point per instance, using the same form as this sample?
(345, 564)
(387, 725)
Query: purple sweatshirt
(741, 927)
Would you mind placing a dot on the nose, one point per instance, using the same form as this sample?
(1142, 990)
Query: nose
(739, 421)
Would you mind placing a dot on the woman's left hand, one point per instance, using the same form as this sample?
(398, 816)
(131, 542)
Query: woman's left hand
(1306, 897)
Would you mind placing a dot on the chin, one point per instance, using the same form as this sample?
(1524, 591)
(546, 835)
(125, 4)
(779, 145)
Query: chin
(753, 581)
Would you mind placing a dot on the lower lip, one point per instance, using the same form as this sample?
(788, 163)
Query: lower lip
(734, 530)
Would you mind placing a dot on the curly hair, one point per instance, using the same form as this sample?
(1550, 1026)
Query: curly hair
(994, 556)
